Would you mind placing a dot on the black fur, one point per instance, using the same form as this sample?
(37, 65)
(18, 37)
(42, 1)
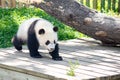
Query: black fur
(32, 42)
(55, 29)
(55, 54)
(17, 43)
(41, 31)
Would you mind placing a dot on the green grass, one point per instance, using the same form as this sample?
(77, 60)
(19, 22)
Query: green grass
(72, 67)
(11, 18)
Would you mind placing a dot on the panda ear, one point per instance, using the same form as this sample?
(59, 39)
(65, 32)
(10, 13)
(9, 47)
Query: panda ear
(41, 31)
(55, 29)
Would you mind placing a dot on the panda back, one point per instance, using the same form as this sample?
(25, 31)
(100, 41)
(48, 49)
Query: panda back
(22, 32)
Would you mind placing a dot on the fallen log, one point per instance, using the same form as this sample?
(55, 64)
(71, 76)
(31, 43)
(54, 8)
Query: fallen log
(87, 21)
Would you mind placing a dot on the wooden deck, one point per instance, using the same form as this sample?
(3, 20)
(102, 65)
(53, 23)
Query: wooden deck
(95, 63)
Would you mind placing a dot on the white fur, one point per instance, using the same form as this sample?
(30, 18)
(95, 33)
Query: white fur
(23, 28)
(41, 24)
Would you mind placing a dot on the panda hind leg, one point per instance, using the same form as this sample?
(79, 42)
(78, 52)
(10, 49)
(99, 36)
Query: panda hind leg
(17, 43)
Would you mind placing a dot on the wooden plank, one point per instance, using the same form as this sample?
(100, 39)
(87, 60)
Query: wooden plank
(93, 61)
(13, 3)
(3, 3)
(98, 56)
(106, 62)
(60, 66)
(56, 66)
(6, 74)
(82, 55)
(0, 3)
(32, 69)
(65, 69)
(108, 51)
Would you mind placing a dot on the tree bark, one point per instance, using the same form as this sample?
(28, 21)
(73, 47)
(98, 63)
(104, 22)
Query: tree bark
(87, 21)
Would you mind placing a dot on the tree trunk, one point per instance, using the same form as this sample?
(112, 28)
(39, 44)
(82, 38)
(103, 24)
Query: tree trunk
(87, 21)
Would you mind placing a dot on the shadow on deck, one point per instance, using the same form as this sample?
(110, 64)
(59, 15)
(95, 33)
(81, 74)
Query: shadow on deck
(95, 62)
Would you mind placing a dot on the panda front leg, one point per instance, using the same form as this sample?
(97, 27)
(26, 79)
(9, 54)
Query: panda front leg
(55, 54)
(33, 47)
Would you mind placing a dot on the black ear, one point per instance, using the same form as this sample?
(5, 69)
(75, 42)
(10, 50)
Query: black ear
(41, 31)
(55, 29)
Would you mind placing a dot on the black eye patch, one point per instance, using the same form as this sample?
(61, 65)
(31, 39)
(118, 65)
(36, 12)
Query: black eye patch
(41, 31)
(47, 42)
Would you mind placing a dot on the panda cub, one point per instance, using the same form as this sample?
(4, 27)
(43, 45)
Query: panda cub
(36, 32)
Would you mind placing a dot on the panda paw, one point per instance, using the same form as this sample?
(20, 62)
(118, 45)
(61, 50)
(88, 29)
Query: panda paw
(59, 58)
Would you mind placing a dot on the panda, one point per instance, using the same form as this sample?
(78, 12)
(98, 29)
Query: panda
(37, 32)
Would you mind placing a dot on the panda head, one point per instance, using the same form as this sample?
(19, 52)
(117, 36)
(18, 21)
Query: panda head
(48, 39)
(47, 35)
